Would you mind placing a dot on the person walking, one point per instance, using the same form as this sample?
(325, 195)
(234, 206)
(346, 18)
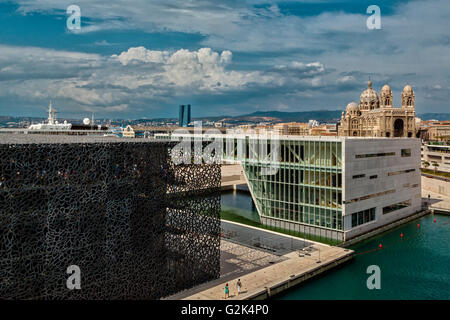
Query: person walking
(227, 291)
(239, 285)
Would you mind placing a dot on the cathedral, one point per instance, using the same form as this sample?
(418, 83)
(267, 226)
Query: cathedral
(376, 117)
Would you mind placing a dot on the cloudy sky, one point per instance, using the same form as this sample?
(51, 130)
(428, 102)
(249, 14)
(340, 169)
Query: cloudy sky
(142, 58)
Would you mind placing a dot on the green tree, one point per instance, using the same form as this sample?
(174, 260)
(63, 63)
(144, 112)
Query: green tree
(435, 165)
(426, 164)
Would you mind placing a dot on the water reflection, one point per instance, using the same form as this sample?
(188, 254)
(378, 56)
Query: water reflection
(241, 203)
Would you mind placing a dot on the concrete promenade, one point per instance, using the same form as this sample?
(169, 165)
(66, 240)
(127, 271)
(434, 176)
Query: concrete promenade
(438, 203)
(274, 279)
(232, 176)
(295, 267)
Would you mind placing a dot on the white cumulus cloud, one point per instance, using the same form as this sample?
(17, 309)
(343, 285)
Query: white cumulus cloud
(138, 78)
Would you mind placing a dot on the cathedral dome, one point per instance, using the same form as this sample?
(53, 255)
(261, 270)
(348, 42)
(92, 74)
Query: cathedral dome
(386, 89)
(369, 98)
(352, 106)
(352, 109)
(407, 89)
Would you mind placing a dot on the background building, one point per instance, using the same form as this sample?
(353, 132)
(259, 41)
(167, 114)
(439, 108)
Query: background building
(184, 118)
(376, 117)
(436, 157)
(292, 128)
(439, 131)
(128, 132)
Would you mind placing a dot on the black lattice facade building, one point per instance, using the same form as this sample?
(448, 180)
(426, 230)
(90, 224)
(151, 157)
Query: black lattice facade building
(137, 226)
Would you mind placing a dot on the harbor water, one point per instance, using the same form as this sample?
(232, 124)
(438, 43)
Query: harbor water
(413, 266)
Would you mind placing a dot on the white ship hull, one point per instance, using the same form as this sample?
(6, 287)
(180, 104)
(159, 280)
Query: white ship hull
(46, 126)
(52, 124)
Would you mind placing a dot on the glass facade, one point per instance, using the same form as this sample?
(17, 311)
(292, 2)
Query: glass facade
(362, 217)
(303, 184)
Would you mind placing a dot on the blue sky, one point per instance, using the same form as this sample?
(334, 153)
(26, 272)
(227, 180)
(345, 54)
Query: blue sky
(140, 58)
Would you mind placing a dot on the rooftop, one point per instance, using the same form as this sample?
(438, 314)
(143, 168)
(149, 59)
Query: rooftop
(438, 146)
(286, 137)
(48, 139)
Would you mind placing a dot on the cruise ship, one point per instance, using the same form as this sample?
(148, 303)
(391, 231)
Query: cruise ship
(52, 123)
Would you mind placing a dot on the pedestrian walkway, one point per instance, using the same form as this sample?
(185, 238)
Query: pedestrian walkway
(438, 202)
(298, 267)
(236, 260)
(263, 258)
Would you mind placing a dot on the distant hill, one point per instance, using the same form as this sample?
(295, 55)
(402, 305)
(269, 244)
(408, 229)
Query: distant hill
(255, 117)
(304, 116)
(434, 116)
(15, 119)
(265, 116)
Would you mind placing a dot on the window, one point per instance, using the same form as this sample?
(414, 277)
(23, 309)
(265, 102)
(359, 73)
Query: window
(371, 155)
(370, 196)
(362, 217)
(406, 153)
(397, 206)
(373, 177)
(400, 172)
(359, 176)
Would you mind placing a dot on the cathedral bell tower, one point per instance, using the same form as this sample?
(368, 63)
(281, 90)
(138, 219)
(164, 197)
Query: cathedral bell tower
(386, 97)
(408, 98)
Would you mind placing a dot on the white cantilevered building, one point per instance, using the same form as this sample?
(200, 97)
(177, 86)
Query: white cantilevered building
(328, 187)
(382, 181)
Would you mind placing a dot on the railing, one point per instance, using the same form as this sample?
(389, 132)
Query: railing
(426, 204)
